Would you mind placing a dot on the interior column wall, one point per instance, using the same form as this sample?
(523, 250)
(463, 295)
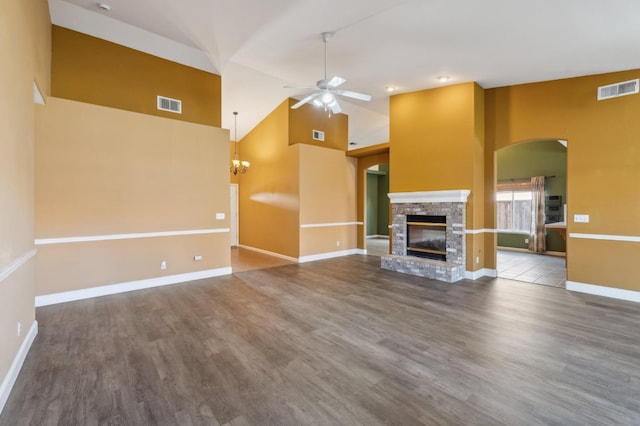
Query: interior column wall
(269, 192)
(437, 143)
(25, 43)
(327, 210)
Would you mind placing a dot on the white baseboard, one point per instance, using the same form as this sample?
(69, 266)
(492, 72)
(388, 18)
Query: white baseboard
(269, 253)
(379, 236)
(484, 272)
(10, 379)
(523, 250)
(330, 255)
(598, 290)
(87, 293)
(310, 258)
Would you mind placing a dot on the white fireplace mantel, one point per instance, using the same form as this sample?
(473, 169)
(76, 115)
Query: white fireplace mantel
(449, 196)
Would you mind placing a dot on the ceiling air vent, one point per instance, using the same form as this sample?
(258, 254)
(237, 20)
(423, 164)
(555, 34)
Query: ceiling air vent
(168, 104)
(618, 89)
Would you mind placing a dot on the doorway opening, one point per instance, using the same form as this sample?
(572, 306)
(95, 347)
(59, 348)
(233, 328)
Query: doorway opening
(524, 252)
(377, 210)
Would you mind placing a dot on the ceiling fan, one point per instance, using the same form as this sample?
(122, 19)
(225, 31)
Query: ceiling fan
(325, 91)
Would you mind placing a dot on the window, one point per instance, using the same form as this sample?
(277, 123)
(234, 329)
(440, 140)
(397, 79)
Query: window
(514, 208)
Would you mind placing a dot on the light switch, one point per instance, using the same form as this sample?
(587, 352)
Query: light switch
(219, 216)
(581, 218)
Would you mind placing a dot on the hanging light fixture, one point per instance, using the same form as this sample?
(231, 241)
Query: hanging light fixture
(237, 166)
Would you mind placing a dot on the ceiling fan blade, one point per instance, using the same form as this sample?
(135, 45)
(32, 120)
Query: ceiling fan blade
(335, 107)
(335, 81)
(301, 87)
(355, 95)
(304, 101)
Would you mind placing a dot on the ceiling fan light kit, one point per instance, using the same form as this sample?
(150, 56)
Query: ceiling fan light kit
(325, 91)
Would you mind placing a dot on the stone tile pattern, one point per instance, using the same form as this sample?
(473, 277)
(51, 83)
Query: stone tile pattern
(450, 271)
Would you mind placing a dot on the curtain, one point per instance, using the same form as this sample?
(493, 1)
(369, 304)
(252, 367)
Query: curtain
(537, 239)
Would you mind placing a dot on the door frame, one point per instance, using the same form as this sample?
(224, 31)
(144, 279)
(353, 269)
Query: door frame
(234, 235)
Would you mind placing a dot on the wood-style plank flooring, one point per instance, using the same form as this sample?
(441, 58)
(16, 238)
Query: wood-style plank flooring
(333, 342)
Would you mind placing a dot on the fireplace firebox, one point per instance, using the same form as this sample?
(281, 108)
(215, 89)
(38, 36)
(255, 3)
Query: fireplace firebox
(427, 236)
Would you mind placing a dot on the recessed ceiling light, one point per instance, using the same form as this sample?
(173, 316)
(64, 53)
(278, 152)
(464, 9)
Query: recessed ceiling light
(390, 89)
(443, 78)
(104, 6)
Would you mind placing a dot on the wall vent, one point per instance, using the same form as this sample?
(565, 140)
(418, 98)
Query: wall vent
(318, 135)
(618, 89)
(168, 104)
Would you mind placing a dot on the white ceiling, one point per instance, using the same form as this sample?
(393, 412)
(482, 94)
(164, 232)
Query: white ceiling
(258, 46)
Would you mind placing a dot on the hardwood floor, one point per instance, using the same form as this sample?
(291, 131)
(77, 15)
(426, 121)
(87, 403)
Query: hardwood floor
(243, 259)
(333, 342)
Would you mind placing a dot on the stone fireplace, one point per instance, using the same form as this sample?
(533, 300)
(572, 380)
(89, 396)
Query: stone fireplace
(428, 234)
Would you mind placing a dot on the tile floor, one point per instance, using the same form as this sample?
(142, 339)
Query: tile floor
(533, 268)
(377, 246)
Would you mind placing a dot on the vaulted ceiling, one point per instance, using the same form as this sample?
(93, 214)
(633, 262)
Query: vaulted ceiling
(258, 46)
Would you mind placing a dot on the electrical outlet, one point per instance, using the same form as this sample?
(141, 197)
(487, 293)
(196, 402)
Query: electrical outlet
(526, 241)
(337, 243)
(219, 216)
(197, 258)
(163, 264)
(19, 328)
(477, 259)
(581, 218)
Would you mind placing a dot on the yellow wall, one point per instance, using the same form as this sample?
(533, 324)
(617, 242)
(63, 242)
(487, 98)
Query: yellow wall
(476, 245)
(269, 193)
(118, 172)
(603, 164)
(294, 181)
(437, 143)
(25, 39)
(431, 134)
(96, 71)
(307, 118)
(327, 196)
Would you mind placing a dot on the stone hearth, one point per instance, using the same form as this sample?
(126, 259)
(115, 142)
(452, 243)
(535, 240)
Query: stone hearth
(451, 204)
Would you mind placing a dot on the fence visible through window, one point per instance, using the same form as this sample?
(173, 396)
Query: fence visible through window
(514, 210)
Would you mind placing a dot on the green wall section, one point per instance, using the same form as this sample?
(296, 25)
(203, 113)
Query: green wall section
(378, 201)
(383, 200)
(537, 158)
(372, 203)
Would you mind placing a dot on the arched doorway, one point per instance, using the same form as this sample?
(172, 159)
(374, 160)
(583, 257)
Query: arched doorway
(515, 165)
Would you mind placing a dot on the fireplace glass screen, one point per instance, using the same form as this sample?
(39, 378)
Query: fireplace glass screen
(427, 236)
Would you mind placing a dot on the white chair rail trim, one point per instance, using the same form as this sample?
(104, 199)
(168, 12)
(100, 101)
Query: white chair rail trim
(65, 240)
(16, 264)
(627, 238)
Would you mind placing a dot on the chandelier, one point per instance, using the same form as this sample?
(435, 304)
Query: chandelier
(237, 166)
